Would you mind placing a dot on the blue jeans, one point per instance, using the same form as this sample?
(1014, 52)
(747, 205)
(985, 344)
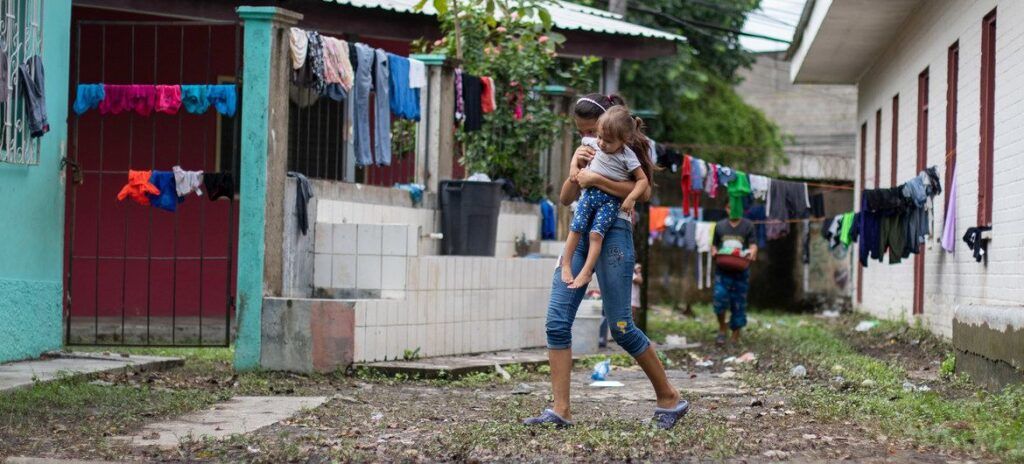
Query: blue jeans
(382, 110)
(615, 272)
(361, 91)
(730, 294)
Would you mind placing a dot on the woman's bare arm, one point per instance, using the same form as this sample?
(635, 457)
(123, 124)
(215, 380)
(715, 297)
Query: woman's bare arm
(620, 189)
(570, 192)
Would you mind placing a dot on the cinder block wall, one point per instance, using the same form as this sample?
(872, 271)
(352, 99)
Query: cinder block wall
(955, 280)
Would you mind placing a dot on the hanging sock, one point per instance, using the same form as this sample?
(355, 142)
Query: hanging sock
(167, 197)
(194, 98)
(218, 185)
(168, 99)
(142, 99)
(138, 187)
(33, 90)
(223, 98)
(115, 99)
(87, 97)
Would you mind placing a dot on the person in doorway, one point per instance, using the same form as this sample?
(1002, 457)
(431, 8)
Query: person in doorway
(634, 299)
(613, 270)
(733, 236)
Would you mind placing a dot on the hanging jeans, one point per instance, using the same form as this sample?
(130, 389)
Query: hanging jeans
(382, 110)
(615, 271)
(33, 91)
(363, 83)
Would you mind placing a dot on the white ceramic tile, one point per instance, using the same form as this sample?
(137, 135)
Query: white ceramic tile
(419, 302)
(360, 314)
(412, 274)
(379, 343)
(412, 240)
(343, 271)
(393, 238)
(432, 313)
(345, 237)
(369, 239)
(321, 270)
(368, 272)
(393, 270)
(392, 294)
(359, 344)
(323, 237)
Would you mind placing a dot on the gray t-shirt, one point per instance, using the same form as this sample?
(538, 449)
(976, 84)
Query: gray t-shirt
(617, 166)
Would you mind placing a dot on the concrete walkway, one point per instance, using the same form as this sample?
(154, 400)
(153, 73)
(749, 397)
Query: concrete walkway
(238, 415)
(24, 374)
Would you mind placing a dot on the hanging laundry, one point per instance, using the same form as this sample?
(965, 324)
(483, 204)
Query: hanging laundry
(219, 185)
(786, 200)
(87, 96)
(704, 237)
(142, 99)
(487, 100)
(303, 192)
(298, 44)
(711, 181)
(5, 71)
(738, 189)
(725, 175)
(345, 70)
(224, 98)
(547, 224)
(870, 233)
(658, 215)
(315, 62)
(817, 203)
(472, 92)
(382, 110)
(33, 91)
(417, 74)
(167, 198)
(138, 188)
(168, 99)
(460, 103)
(697, 167)
(691, 199)
(333, 69)
(652, 150)
(949, 228)
(893, 237)
(186, 182)
(759, 187)
(194, 98)
(363, 83)
(846, 229)
(115, 99)
(405, 100)
(756, 214)
(973, 239)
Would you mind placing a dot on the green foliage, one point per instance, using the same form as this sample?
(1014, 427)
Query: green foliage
(511, 42)
(948, 366)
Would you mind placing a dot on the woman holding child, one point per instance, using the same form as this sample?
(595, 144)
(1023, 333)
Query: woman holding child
(606, 250)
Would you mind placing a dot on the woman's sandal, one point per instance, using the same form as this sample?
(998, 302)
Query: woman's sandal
(548, 417)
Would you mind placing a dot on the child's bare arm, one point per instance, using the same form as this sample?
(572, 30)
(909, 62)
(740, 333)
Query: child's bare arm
(638, 190)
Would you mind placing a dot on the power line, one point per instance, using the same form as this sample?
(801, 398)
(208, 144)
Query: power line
(699, 24)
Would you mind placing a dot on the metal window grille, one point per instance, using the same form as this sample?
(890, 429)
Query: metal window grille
(21, 33)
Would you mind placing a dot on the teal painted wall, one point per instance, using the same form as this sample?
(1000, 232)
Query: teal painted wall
(258, 41)
(32, 214)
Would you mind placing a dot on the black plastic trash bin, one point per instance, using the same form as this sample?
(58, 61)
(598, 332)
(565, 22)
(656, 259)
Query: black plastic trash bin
(469, 217)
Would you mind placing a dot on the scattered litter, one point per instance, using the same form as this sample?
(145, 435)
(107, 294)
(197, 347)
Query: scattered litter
(923, 388)
(377, 416)
(799, 372)
(838, 380)
(502, 372)
(746, 357)
(865, 326)
(727, 375)
(675, 340)
(810, 436)
(776, 454)
(705, 363)
(729, 360)
(607, 383)
(909, 387)
(522, 389)
(601, 370)
(829, 314)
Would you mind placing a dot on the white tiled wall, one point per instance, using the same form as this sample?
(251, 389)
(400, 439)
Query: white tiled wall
(457, 305)
(363, 256)
(513, 226)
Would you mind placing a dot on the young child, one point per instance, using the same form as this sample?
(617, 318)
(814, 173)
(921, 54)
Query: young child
(597, 210)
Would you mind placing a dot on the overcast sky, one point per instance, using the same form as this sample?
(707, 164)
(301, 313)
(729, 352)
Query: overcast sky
(775, 18)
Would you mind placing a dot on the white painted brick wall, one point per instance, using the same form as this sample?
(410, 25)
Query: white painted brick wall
(951, 280)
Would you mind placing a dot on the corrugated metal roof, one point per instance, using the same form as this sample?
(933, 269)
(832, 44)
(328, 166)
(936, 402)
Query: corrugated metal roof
(564, 15)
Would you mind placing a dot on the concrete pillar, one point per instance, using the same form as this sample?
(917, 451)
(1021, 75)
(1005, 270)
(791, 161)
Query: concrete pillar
(264, 162)
(438, 123)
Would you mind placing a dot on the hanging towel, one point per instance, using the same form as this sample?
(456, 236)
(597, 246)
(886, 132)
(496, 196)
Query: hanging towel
(417, 74)
(739, 189)
(115, 99)
(949, 228)
(405, 100)
(168, 99)
(345, 70)
(759, 187)
(186, 182)
(219, 184)
(33, 91)
(194, 98)
(223, 98)
(87, 97)
(167, 198)
(487, 100)
(361, 125)
(315, 62)
(303, 192)
(298, 44)
(332, 69)
(138, 187)
(381, 109)
(142, 99)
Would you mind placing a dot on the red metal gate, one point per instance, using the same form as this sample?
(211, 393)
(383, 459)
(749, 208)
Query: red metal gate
(139, 275)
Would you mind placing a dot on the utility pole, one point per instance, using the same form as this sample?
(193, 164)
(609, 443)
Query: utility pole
(613, 67)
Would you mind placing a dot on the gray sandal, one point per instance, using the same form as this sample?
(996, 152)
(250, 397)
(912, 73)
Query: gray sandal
(548, 417)
(667, 418)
